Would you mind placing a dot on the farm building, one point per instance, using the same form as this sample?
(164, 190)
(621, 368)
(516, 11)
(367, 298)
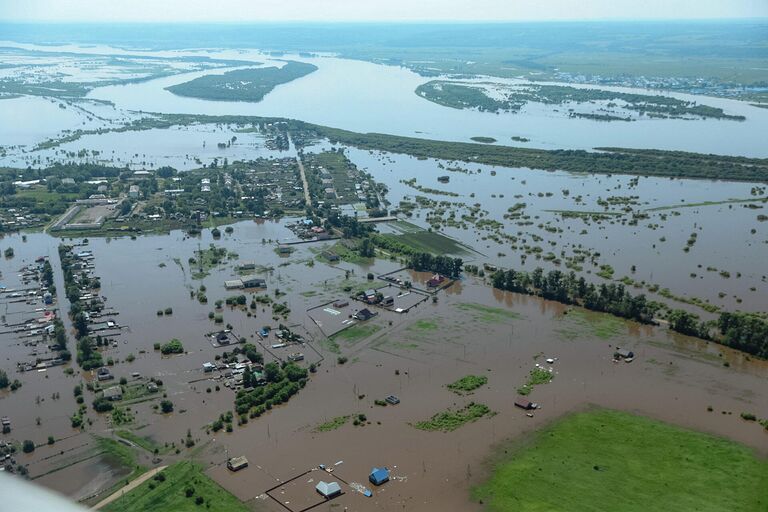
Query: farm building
(379, 476)
(328, 489)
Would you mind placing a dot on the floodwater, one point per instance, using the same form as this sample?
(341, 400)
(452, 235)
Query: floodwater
(654, 246)
(480, 331)
(367, 97)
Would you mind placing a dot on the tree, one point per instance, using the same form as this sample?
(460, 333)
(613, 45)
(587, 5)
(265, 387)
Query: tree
(166, 406)
(27, 446)
(4, 382)
(272, 372)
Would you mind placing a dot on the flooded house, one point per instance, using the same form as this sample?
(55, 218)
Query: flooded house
(378, 476)
(113, 393)
(328, 490)
(237, 463)
(364, 314)
(525, 404)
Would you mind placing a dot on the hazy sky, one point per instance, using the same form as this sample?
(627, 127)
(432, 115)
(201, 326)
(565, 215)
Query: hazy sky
(373, 10)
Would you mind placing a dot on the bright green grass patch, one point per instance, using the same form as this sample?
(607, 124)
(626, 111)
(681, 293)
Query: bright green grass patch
(171, 493)
(488, 313)
(580, 323)
(429, 241)
(450, 420)
(333, 424)
(613, 461)
(357, 332)
(536, 377)
(468, 384)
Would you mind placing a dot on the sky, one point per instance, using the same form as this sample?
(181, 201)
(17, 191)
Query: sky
(373, 10)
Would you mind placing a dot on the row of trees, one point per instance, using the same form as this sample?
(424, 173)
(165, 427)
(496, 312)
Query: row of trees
(742, 331)
(569, 289)
(445, 265)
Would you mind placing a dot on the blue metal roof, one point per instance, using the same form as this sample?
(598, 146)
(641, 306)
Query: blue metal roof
(379, 475)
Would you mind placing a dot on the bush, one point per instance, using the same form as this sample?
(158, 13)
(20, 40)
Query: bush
(166, 406)
(172, 347)
(168, 311)
(189, 492)
(341, 360)
(199, 500)
(27, 446)
(748, 416)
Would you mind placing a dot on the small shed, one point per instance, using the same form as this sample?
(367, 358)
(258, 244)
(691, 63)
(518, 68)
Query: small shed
(237, 463)
(364, 314)
(379, 476)
(623, 353)
(526, 404)
(328, 490)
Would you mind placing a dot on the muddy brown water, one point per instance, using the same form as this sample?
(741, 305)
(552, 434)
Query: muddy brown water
(477, 330)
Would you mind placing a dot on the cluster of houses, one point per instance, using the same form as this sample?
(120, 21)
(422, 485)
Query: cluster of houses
(244, 283)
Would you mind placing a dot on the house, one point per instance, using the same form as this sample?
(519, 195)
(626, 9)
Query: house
(246, 265)
(254, 282)
(328, 490)
(233, 284)
(68, 181)
(208, 367)
(114, 393)
(237, 463)
(436, 281)
(526, 404)
(133, 191)
(387, 300)
(152, 387)
(330, 193)
(364, 314)
(173, 192)
(104, 374)
(141, 174)
(284, 249)
(379, 476)
(341, 303)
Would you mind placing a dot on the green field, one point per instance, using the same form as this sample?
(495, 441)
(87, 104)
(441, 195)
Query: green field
(613, 461)
(352, 335)
(488, 314)
(154, 495)
(428, 241)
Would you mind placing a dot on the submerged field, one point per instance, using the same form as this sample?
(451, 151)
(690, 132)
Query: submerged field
(608, 460)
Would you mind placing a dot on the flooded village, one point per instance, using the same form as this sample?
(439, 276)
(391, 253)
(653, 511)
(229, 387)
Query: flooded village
(246, 312)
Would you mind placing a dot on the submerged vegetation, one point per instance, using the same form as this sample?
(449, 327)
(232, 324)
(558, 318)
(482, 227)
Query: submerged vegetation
(450, 420)
(468, 384)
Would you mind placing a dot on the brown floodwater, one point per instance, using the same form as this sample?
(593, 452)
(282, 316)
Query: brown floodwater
(472, 329)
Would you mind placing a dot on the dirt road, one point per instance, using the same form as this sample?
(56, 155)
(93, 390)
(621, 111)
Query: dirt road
(128, 488)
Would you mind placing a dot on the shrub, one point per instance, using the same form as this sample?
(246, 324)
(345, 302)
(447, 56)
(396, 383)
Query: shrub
(189, 492)
(168, 311)
(172, 347)
(166, 406)
(27, 446)
(748, 416)
(341, 360)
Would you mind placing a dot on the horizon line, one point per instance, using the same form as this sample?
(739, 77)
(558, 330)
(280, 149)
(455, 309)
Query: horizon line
(382, 22)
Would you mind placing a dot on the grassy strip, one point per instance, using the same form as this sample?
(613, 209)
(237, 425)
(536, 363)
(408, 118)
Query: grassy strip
(608, 460)
(427, 241)
(468, 384)
(183, 487)
(333, 424)
(448, 421)
(706, 203)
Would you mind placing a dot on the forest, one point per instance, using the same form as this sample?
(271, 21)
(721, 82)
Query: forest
(242, 84)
